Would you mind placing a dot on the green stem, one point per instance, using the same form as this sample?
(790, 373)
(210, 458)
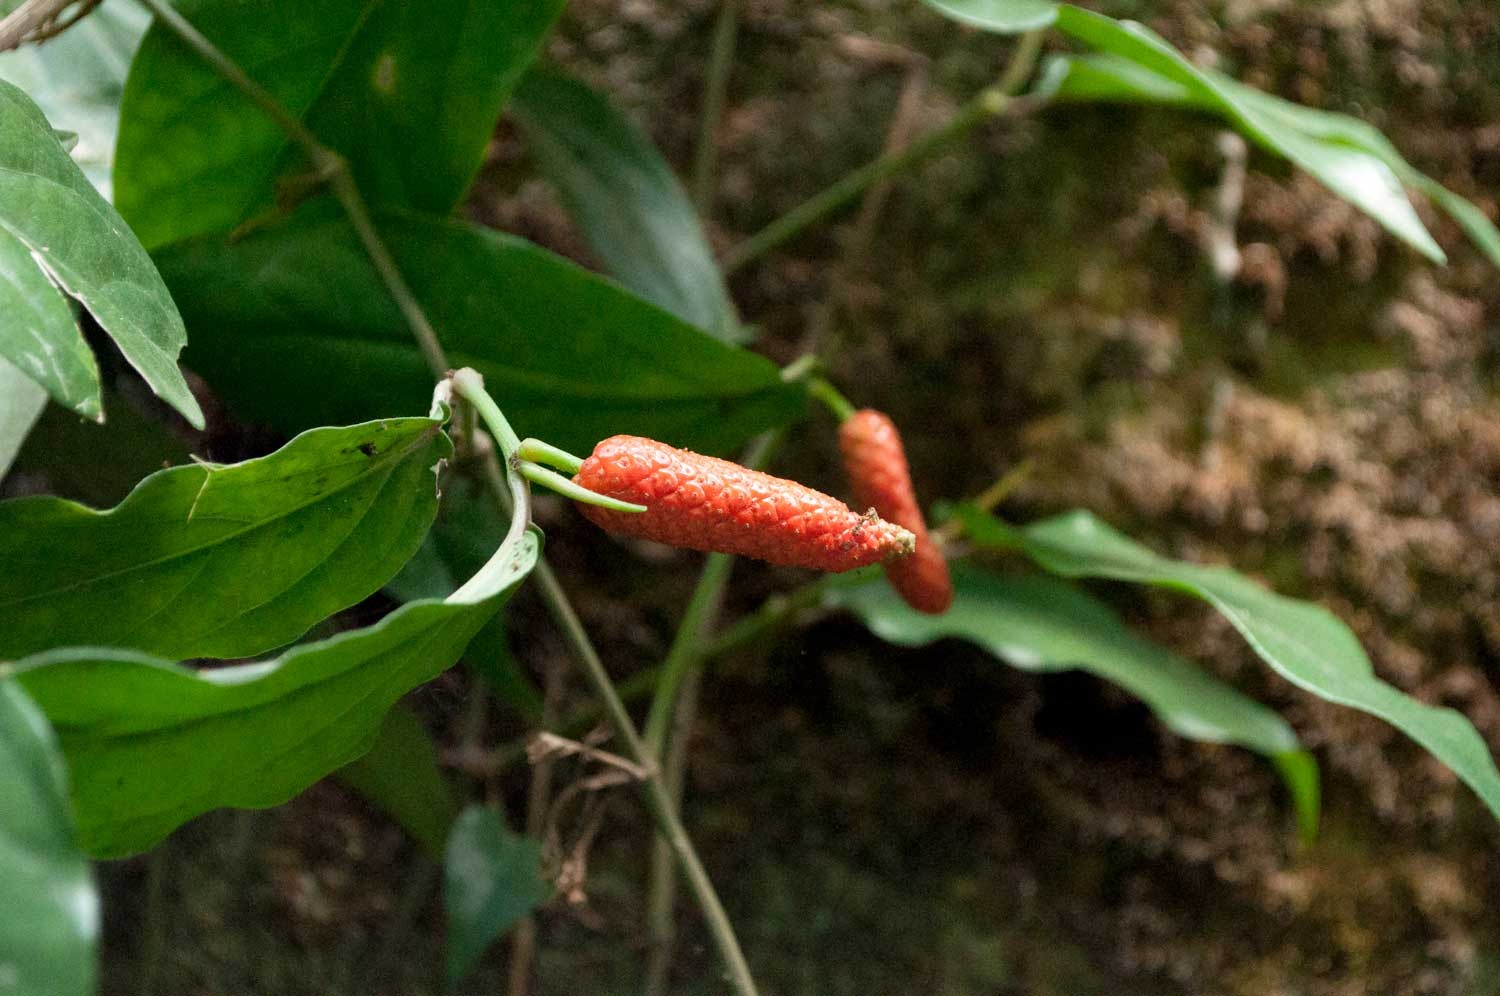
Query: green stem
(831, 397)
(683, 653)
(551, 479)
(656, 798)
(545, 453)
(328, 164)
(653, 791)
(989, 102)
(720, 62)
(981, 108)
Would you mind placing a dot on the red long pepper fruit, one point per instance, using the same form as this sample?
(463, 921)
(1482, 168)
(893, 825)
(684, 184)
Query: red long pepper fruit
(704, 503)
(877, 468)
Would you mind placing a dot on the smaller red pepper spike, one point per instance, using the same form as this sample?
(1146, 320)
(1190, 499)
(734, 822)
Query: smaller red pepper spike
(704, 503)
(877, 468)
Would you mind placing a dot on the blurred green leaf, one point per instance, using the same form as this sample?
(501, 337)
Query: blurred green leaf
(293, 327)
(408, 93)
(55, 229)
(133, 444)
(1006, 17)
(39, 335)
(1365, 171)
(21, 404)
(400, 774)
(1303, 642)
(1119, 79)
(1365, 180)
(492, 878)
(211, 560)
(51, 920)
(625, 198)
(77, 77)
(1040, 624)
(152, 744)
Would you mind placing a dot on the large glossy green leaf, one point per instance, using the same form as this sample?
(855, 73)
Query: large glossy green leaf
(292, 326)
(407, 92)
(211, 560)
(1303, 642)
(1040, 624)
(492, 878)
(1119, 79)
(400, 774)
(51, 920)
(152, 744)
(625, 198)
(21, 403)
(77, 77)
(55, 229)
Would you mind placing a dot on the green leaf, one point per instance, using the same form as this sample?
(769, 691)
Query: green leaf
(1365, 180)
(408, 93)
(1006, 17)
(153, 744)
(1158, 72)
(211, 560)
(400, 774)
(38, 334)
(21, 403)
(1039, 624)
(570, 356)
(51, 920)
(55, 227)
(1119, 79)
(492, 878)
(77, 77)
(625, 198)
(1302, 642)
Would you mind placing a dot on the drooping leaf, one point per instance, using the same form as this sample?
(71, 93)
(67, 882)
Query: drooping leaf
(1303, 642)
(625, 198)
(1118, 79)
(153, 744)
(228, 561)
(400, 774)
(492, 878)
(1354, 172)
(570, 356)
(39, 335)
(408, 93)
(55, 229)
(1040, 624)
(1006, 17)
(21, 403)
(77, 77)
(51, 920)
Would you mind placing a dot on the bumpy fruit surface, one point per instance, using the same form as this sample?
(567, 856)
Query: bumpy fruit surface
(876, 463)
(704, 503)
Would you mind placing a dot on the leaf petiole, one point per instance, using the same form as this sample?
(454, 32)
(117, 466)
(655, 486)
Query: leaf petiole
(537, 474)
(536, 451)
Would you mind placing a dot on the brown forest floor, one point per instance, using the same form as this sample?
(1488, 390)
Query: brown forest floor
(887, 821)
